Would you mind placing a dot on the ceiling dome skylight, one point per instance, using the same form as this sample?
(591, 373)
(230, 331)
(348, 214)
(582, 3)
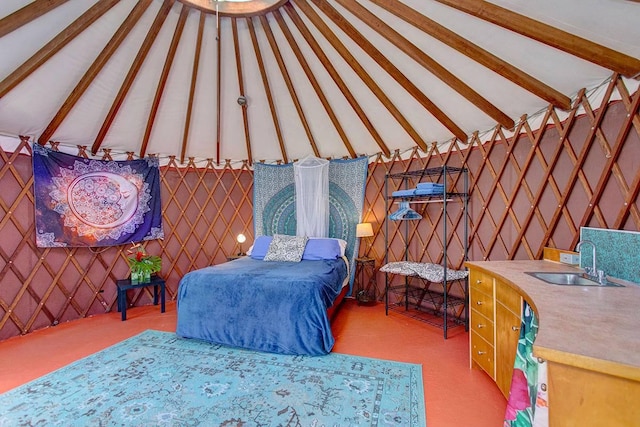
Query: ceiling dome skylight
(236, 7)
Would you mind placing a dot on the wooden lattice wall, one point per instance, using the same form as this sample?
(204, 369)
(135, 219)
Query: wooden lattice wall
(527, 191)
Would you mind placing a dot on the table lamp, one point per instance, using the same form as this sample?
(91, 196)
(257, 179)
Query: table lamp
(241, 239)
(364, 229)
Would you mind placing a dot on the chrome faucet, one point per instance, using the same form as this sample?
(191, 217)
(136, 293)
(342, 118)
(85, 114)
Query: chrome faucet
(592, 271)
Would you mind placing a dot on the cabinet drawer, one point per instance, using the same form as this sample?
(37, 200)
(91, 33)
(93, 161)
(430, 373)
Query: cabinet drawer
(509, 297)
(481, 325)
(482, 303)
(482, 354)
(480, 281)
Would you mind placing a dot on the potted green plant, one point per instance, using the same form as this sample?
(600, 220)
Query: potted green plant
(142, 265)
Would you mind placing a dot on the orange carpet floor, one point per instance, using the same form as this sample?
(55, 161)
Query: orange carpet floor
(455, 395)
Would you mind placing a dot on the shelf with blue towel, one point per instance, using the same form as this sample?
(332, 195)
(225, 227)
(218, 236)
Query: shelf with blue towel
(433, 197)
(428, 185)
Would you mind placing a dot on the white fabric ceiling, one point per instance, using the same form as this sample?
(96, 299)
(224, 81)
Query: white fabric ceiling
(190, 125)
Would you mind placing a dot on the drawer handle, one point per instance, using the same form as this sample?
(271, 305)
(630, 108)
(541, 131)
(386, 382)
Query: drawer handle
(480, 326)
(479, 302)
(480, 353)
(478, 281)
(515, 328)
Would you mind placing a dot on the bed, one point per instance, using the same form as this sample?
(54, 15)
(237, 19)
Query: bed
(274, 306)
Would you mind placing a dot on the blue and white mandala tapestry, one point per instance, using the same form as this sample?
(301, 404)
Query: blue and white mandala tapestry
(82, 202)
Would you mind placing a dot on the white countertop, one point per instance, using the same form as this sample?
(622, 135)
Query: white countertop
(591, 327)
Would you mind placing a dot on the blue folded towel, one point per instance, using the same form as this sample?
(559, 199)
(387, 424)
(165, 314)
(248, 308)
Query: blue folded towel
(404, 193)
(429, 192)
(430, 186)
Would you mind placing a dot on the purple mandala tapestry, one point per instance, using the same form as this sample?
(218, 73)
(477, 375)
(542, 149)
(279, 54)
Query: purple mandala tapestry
(85, 202)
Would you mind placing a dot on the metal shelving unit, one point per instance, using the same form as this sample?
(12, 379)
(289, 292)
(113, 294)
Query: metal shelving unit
(441, 306)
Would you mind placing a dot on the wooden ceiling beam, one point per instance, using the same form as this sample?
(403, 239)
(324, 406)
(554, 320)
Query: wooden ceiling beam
(27, 14)
(131, 75)
(391, 69)
(376, 90)
(287, 79)
(55, 45)
(267, 89)
(218, 89)
(566, 42)
(168, 62)
(360, 71)
(425, 61)
(307, 70)
(95, 68)
(192, 89)
(475, 52)
(245, 114)
(324, 60)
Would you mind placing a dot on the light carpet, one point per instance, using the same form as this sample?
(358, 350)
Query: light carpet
(157, 378)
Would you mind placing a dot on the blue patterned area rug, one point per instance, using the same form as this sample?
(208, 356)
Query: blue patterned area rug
(157, 378)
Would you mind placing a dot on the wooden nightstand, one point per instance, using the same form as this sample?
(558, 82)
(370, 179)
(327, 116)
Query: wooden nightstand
(365, 281)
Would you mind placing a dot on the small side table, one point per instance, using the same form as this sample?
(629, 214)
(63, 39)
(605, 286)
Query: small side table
(365, 276)
(125, 284)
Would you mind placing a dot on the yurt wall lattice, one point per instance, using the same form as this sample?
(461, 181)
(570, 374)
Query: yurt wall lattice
(529, 189)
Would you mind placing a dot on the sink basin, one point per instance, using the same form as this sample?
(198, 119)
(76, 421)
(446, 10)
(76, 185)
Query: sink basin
(569, 279)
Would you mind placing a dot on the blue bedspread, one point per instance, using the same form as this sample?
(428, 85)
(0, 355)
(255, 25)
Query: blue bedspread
(279, 307)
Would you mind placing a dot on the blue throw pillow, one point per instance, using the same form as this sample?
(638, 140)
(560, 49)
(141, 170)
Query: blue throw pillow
(318, 248)
(260, 247)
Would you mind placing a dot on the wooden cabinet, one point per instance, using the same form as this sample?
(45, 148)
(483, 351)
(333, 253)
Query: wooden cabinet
(587, 336)
(494, 321)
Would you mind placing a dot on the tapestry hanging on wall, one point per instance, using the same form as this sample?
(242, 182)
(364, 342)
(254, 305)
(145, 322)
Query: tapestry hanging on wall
(82, 202)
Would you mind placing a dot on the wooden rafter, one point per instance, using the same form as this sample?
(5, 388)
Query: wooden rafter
(287, 79)
(245, 117)
(379, 93)
(131, 75)
(475, 52)
(163, 78)
(267, 89)
(427, 62)
(54, 46)
(192, 89)
(218, 89)
(305, 66)
(27, 14)
(391, 69)
(95, 68)
(567, 42)
(331, 37)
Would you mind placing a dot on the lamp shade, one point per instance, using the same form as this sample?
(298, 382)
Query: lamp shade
(364, 229)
